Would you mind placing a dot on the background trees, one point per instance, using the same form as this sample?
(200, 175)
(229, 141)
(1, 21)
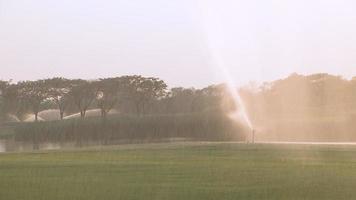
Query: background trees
(11, 100)
(32, 94)
(82, 94)
(317, 96)
(142, 91)
(129, 94)
(58, 93)
(180, 100)
(3, 87)
(301, 107)
(109, 92)
(313, 107)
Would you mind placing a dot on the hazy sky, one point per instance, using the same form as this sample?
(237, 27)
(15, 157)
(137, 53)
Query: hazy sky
(176, 40)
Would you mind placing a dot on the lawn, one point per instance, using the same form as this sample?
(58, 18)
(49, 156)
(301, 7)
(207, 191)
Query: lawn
(181, 171)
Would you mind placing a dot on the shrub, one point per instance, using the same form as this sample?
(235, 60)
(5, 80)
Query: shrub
(202, 126)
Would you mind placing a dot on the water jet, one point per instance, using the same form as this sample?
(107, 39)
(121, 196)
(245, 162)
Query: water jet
(214, 36)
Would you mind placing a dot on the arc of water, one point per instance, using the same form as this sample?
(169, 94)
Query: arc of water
(214, 39)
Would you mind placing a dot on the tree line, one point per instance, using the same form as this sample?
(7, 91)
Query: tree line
(317, 106)
(135, 95)
(320, 106)
(314, 95)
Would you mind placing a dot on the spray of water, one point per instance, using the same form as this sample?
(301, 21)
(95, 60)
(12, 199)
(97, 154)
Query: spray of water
(240, 111)
(214, 39)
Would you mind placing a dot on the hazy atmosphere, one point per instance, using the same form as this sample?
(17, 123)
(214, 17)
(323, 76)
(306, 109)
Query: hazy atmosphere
(258, 40)
(177, 99)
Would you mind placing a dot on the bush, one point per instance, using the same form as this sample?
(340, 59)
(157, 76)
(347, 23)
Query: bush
(202, 126)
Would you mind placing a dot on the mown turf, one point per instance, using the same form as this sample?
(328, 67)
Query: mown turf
(213, 171)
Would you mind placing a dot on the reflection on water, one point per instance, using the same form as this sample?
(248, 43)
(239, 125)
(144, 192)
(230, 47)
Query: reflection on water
(10, 145)
(13, 146)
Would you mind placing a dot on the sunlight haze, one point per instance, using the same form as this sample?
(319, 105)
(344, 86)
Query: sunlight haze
(177, 99)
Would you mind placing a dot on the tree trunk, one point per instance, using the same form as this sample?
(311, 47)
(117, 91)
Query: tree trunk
(61, 113)
(36, 116)
(103, 113)
(61, 109)
(82, 114)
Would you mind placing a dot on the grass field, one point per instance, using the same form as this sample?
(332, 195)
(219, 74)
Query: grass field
(182, 171)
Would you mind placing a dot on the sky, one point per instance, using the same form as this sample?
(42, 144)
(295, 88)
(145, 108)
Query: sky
(184, 42)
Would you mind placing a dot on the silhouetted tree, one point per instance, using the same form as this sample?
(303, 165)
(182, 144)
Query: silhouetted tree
(180, 100)
(3, 86)
(58, 92)
(82, 94)
(141, 91)
(32, 94)
(108, 94)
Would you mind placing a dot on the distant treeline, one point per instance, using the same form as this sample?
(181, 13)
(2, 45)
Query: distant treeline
(127, 94)
(146, 111)
(314, 107)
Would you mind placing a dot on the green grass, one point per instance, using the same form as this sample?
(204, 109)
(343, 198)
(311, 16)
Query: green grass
(177, 171)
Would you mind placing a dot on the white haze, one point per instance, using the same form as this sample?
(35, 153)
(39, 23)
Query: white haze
(264, 40)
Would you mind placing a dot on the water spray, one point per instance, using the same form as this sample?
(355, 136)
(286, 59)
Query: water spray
(214, 38)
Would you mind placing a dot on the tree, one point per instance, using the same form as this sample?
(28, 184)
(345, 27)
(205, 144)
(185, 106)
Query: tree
(3, 86)
(142, 91)
(209, 98)
(58, 92)
(108, 94)
(11, 99)
(82, 94)
(180, 100)
(32, 94)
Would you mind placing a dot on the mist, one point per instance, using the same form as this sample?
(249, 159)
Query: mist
(318, 107)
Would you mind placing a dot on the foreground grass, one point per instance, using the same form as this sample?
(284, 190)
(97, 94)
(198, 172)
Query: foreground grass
(210, 171)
